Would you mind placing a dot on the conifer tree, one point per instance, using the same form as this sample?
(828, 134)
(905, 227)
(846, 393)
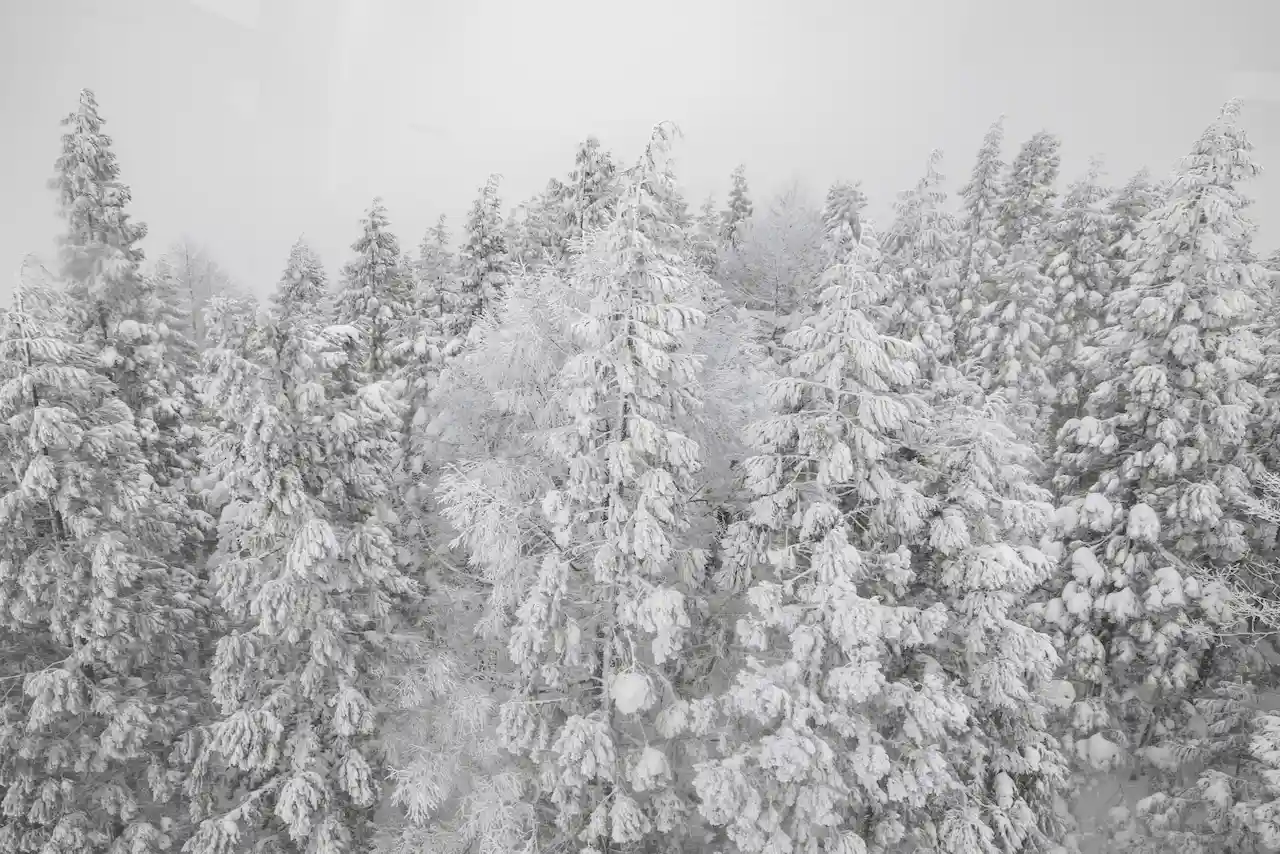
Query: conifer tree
(989, 546)
(842, 220)
(99, 252)
(307, 575)
(980, 245)
(1157, 478)
(1079, 266)
(828, 643)
(377, 293)
(1029, 190)
(483, 263)
(704, 243)
(776, 266)
(1010, 337)
(738, 214)
(599, 634)
(591, 192)
(113, 307)
(1128, 208)
(101, 632)
(423, 352)
(436, 263)
(920, 248)
(303, 289)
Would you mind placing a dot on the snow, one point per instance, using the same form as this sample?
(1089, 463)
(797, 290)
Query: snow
(997, 458)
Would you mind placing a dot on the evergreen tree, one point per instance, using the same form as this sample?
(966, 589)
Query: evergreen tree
(1079, 267)
(598, 636)
(376, 294)
(304, 287)
(100, 631)
(1128, 208)
(307, 575)
(704, 243)
(1009, 339)
(738, 214)
(775, 268)
(591, 191)
(828, 644)
(920, 249)
(1157, 478)
(988, 549)
(981, 247)
(99, 252)
(1028, 203)
(423, 351)
(483, 263)
(842, 220)
(113, 307)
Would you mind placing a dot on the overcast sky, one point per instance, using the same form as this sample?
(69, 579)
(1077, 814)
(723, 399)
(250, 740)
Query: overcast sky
(244, 123)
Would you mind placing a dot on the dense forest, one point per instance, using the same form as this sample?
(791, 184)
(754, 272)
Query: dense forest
(621, 525)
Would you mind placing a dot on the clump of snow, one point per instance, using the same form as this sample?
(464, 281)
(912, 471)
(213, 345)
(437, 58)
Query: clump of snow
(129, 330)
(1144, 524)
(1100, 753)
(1098, 512)
(631, 692)
(1059, 694)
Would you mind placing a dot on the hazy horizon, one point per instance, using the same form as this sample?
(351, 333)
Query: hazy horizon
(243, 124)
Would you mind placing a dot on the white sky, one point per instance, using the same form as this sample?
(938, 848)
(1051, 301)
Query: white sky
(244, 123)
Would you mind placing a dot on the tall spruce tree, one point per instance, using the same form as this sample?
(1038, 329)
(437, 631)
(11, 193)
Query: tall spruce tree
(377, 293)
(981, 248)
(1157, 480)
(920, 248)
(113, 307)
(599, 635)
(101, 631)
(307, 575)
(483, 263)
(1029, 190)
(591, 193)
(738, 213)
(1078, 264)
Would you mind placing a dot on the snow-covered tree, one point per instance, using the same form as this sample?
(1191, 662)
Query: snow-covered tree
(492, 409)
(920, 249)
(1129, 207)
(777, 262)
(536, 238)
(306, 573)
(303, 289)
(1272, 263)
(1010, 336)
(827, 644)
(1078, 264)
(842, 220)
(199, 278)
(988, 548)
(436, 264)
(100, 631)
(590, 194)
(738, 213)
(424, 348)
(704, 242)
(981, 248)
(483, 263)
(1157, 479)
(1029, 190)
(112, 305)
(99, 252)
(376, 295)
(598, 637)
